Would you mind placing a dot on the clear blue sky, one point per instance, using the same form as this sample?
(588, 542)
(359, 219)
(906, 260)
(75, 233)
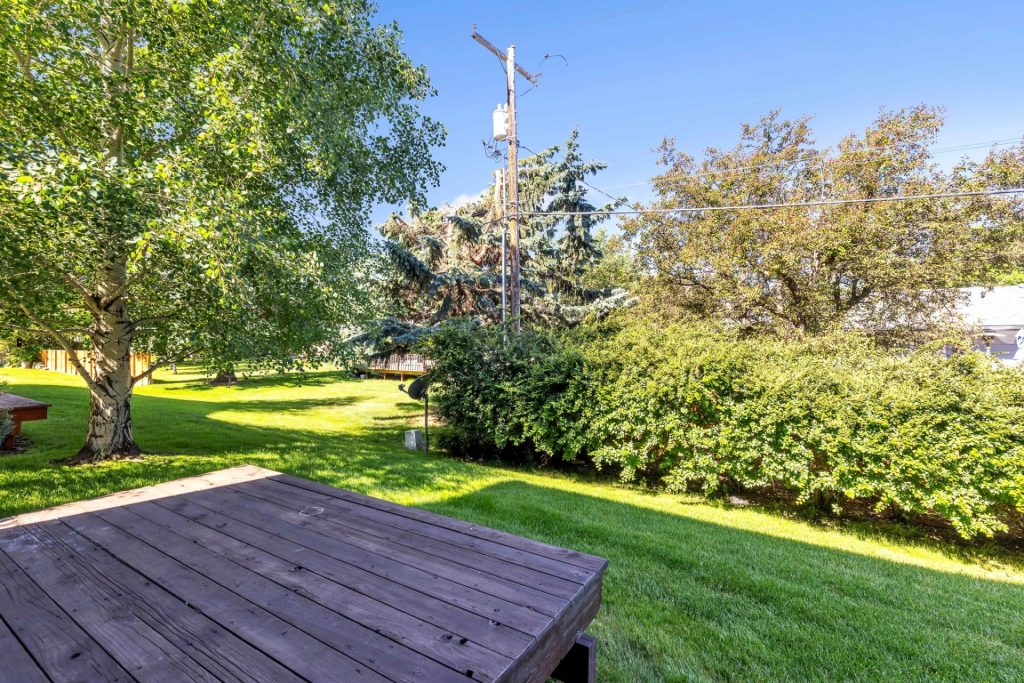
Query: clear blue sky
(641, 70)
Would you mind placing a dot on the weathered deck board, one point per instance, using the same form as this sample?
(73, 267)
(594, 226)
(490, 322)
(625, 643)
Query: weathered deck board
(90, 568)
(48, 634)
(18, 665)
(228, 477)
(591, 562)
(300, 652)
(249, 575)
(431, 606)
(361, 644)
(91, 599)
(425, 605)
(488, 606)
(518, 604)
(539, 568)
(354, 518)
(415, 634)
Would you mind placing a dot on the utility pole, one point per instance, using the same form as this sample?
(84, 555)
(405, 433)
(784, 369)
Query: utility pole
(513, 190)
(499, 218)
(511, 68)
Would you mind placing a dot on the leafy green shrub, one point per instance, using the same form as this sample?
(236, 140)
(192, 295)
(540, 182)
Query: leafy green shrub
(696, 407)
(826, 419)
(502, 395)
(15, 355)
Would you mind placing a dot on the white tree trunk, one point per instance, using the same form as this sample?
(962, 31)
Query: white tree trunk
(110, 417)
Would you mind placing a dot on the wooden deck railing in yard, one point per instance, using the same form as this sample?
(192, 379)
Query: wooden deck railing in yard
(401, 365)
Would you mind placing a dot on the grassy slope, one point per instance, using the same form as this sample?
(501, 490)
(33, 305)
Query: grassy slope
(693, 592)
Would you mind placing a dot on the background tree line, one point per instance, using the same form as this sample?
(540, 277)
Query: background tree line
(798, 353)
(885, 266)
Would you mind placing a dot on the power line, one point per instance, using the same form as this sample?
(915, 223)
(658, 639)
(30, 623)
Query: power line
(598, 189)
(592, 187)
(744, 207)
(782, 164)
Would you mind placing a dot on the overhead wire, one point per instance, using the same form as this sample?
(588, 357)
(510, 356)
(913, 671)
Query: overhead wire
(598, 189)
(781, 205)
(783, 164)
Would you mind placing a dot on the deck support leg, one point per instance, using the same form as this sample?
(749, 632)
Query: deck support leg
(580, 663)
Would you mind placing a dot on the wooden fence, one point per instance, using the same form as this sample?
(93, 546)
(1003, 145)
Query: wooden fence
(58, 360)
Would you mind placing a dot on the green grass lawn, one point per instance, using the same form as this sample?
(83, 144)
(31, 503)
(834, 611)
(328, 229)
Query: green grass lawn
(694, 591)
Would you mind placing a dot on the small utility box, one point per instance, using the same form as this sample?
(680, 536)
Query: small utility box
(414, 439)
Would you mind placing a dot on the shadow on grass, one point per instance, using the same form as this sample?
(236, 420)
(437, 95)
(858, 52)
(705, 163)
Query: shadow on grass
(688, 599)
(189, 380)
(185, 425)
(195, 436)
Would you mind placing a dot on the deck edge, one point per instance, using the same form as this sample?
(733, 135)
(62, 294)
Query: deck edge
(202, 482)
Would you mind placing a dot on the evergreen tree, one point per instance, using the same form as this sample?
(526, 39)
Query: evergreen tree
(443, 263)
(577, 249)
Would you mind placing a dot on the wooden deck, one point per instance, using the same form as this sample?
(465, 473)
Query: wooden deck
(248, 574)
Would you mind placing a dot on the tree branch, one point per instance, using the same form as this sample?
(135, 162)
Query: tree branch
(66, 330)
(136, 324)
(59, 338)
(153, 367)
(90, 301)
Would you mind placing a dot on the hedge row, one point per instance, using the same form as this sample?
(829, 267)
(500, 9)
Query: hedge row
(691, 407)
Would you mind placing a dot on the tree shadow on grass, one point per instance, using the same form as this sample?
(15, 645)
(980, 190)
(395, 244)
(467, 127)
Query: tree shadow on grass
(196, 436)
(688, 599)
(309, 378)
(186, 425)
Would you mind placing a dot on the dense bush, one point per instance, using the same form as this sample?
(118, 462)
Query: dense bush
(692, 407)
(503, 395)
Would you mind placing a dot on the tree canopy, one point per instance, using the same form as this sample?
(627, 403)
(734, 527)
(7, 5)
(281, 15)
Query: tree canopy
(194, 178)
(805, 269)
